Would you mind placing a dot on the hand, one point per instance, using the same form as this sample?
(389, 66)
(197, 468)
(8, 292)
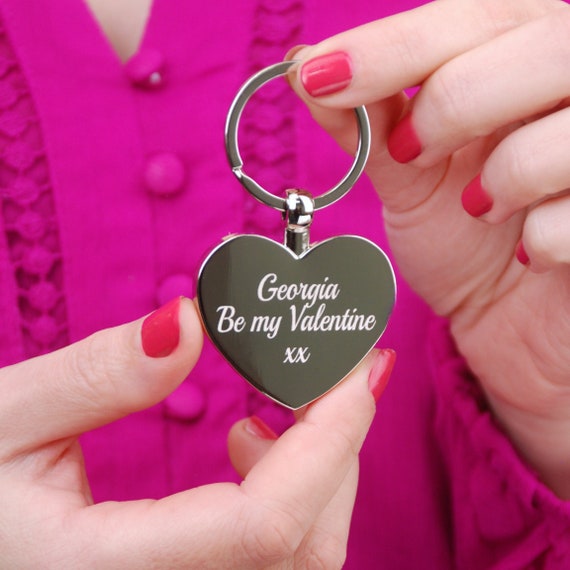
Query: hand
(293, 507)
(489, 127)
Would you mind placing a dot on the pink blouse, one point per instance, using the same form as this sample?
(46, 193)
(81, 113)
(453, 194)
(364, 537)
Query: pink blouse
(114, 184)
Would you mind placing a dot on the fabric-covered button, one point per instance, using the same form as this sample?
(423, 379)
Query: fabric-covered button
(43, 296)
(38, 261)
(31, 225)
(24, 191)
(187, 403)
(174, 286)
(146, 69)
(44, 329)
(13, 124)
(19, 154)
(164, 174)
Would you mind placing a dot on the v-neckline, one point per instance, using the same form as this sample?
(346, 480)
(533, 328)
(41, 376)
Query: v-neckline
(104, 39)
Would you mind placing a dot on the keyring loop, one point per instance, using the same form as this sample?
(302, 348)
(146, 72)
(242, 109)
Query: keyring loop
(236, 162)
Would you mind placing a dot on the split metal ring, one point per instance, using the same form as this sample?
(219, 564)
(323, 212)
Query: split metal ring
(236, 162)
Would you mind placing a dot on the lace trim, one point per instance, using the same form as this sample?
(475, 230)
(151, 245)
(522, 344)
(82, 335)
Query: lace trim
(28, 211)
(269, 144)
(269, 120)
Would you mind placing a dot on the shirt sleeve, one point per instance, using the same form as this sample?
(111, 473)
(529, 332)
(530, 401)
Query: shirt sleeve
(503, 516)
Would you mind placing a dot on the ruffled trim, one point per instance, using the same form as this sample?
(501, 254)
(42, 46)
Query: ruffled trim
(504, 516)
(269, 142)
(28, 211)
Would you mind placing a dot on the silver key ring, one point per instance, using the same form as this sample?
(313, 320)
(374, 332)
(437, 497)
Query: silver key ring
(236, 162)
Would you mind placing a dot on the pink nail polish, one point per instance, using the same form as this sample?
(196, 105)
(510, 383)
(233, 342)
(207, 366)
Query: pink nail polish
(403, 143)
(380, 372)
(258, 428)
(475, 199)
(160, 332)
(326, 74)
(521, 254)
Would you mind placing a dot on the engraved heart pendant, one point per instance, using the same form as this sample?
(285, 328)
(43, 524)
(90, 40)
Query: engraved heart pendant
(295, 319)
(294, 326)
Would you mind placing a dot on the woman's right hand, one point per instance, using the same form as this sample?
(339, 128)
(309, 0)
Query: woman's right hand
(292, 508)
(470, 170)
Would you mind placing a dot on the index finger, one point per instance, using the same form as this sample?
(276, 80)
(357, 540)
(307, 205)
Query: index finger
(398, 52)
(305, 467)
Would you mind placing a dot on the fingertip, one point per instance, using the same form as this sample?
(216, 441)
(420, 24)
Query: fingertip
(171, 340)
(521, 254)
(256, 427)
(403, 143)
(191, 329)
(174, 325)
(381, 371)
(296, 52)
(326, 74)
(248, 441)
(160, 331)
(351, 397)
(545, 237)
(475, 199)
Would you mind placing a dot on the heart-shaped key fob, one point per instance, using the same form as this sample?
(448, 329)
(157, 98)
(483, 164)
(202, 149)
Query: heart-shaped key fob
(295, 319)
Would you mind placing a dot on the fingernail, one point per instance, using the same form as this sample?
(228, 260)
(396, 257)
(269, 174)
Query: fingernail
(521, 254)
(258, 428)
(380, 372)
(403, 143)
(160, 331)
(326, 74)
(475, 199)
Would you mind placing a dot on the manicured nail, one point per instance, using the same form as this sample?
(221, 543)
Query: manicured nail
(326, 74)
(380, 372)
(258, 428)
(403, 143)
(475, 199)
(160, 331)
(521, 254)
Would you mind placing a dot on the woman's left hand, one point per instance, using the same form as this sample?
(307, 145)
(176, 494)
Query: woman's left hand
(474, 173)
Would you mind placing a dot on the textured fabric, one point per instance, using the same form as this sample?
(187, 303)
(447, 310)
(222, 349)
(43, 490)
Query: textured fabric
(113, 186)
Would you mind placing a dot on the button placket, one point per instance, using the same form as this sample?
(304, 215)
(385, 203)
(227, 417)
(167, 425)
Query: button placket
(164, 176)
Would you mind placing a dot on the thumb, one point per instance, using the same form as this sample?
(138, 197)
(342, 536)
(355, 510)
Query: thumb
(102, 378)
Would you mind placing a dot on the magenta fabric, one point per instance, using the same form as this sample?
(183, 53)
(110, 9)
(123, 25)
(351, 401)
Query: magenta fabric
(113, 186)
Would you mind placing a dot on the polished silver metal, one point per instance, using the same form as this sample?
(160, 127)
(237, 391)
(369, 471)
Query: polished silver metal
(299, 209)
(236, 162)
(247, 314)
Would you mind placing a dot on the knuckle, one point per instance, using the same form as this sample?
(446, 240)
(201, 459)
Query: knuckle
(546, 231)
(343, 443)
(271, 535)
(517, 167)
(450, 94)
(329, 554)
(505, 15)
(95, 370)
(407, 45)
(558, 26)
(348, 436)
